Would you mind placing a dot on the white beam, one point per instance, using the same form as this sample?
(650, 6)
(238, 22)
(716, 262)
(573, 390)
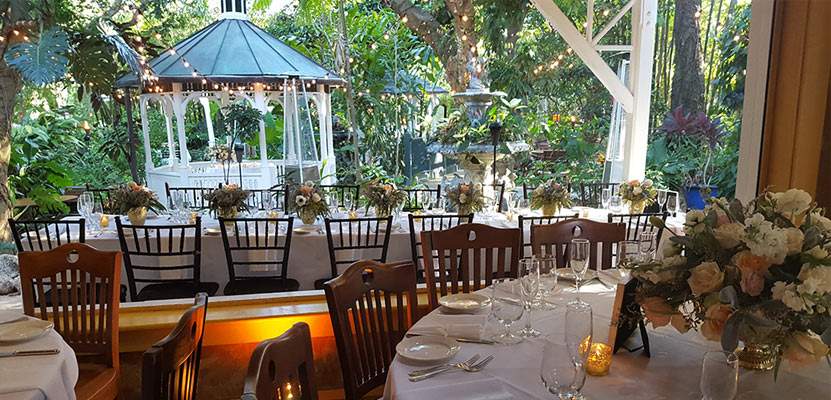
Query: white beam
(589, 20)
(644, 18)
(261, 105)
(206, 106)
(145, 133)
(611, 24)
(179, 113)
(614, 47)
(167, 109)
(586, 52)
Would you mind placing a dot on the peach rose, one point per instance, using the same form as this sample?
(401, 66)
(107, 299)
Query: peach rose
(714, 319)
(707, 277)
(804, 348)
(752, 268)
(657, 311)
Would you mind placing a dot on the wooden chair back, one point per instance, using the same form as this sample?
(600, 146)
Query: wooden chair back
(193, 195)
(269, 238)
(422, 223)
(639, 223)
(371, 305)
(170, 368)
(103, 196)
(46, 234)
(150, 249)
(526, 191)
(553, 241)
(590, 192)
(84, 297)
(414, 198)
(282, 368)
(341, 192)
(351, 240)
(525, 223)
(462, 259)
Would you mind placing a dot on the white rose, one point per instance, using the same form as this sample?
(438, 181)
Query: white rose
(462, 198)
(729, 235)
(786, 293)
(707, 277)
(646, 183)
(792, 201)
(764, 240)
(315, 197)
(818, 252)
(301, 200)
(815, 280)
(636, 191)
(821, 222)
(794, 239)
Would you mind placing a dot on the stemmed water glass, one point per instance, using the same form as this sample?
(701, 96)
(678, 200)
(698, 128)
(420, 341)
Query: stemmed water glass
(672, 205)
(333, 205)
(548, 281)
(529, 282)
(662, 199)
(615, 204)
(579, 261)
(563, 367)
(97, 212)
(605, 197)
(86, 202)
(719, 375)
(507, 308)
(347, 202)
(646, 246)
(628, 252)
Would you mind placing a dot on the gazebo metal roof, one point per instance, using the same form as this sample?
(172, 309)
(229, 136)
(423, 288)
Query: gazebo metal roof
(233, 50)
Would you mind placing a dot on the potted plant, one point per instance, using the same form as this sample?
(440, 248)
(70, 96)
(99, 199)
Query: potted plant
(134, 200)
(466, 197)
(227, 201)
(309, 202)
(637, 194)
(550, 196)
(384, 197)
(696, 136)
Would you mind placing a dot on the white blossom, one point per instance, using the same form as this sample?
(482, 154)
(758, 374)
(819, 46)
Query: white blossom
(729, 235)
(301, 200)
(792, 201)
(764, 240)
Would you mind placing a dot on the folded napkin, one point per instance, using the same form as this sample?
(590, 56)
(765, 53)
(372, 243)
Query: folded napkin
(480, 389)
(462, 331)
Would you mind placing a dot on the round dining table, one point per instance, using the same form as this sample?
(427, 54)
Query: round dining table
(672, 372)
(41, 377)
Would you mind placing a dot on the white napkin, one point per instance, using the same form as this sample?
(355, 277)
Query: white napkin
(462, 331)
(482, 389)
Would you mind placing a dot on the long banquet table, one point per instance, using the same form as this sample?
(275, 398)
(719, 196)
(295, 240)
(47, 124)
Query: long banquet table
(673, 371)
(309, 258)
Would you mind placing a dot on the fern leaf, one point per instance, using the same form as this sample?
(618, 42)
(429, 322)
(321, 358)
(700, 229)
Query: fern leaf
(41, 62)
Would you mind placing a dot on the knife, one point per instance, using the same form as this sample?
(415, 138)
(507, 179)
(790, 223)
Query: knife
(22, 353)
(458, 339)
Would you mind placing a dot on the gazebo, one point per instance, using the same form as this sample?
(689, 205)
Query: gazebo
(234, 60)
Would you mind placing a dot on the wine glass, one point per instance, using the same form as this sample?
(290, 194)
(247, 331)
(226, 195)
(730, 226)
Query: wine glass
(563, 367)
(347, 203)
(672, 204)
(529, 282)
(268, 202)
(507, 308)
(615, 204)
(628, 252)
(85, 204)
(333, 205)
(548, 281)
(424, 201)
(97, 212)
(605, 197)
(662, 199)
(579, 261)
(646, 246)
(719, 375)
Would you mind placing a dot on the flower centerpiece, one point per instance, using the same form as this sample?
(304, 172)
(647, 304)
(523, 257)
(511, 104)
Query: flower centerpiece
(134, 200)
(551, 196)
(638, 194)
(467, 197)
(384, 197)
(227, 201)
(222, 154)
(309, 202)
(759, 274)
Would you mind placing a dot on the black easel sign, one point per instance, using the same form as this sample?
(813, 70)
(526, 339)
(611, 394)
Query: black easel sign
(626, 318)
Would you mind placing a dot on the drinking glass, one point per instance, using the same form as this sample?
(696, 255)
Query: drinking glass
(424, 200)
(672, 204)
(333, 206)
(548, 281)
(85, 204)
(719, 375)
(615, 204)
(347, 202)
(579, 261)
(605, 197)
(268, 202)
(628, 252)
(529, 282)
(97, 212)
(646, 246)
(507, 308)
(563, 368)
(662, 199)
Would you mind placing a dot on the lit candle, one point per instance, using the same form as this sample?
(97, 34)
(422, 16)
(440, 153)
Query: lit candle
(193, 215)
(353, 214)
(105, 220)
(600, 359)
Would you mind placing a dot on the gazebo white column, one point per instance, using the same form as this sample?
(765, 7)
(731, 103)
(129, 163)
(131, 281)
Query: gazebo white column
(167, 110)
(179, 112)
(206, 106)
(145, 133)
(327, 145)
(261, 104)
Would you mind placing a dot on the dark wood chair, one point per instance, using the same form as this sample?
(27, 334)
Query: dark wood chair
(282, 368)
(413, 202)
(454, 256)
(170, 368)
(525, 223)
(590, 192)
(526, 191)
(553, 241)
(84, 308)
(46, 234)
(257, 197)
(150, 251)
(422, 223)
(350, 240)
(639, 223)
(371, 305)
(253, 242)
(103, 196)
(193, 195)
(340, 192)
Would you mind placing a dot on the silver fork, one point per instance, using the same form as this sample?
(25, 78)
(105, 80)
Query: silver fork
(467, 368)
(459, 365)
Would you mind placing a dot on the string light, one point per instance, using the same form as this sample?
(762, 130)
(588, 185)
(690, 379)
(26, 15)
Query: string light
(404, 19)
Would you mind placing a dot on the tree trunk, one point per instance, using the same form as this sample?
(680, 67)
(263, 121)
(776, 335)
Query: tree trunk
(10, 85)
(687, 80)
(350, 99)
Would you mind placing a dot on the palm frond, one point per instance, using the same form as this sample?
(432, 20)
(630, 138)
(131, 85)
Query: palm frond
(41, 62)
(127, 54)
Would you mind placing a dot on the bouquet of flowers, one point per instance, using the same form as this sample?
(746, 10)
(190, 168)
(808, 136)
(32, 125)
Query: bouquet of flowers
(134, 200)
(384, 197)
(551, 197)
(309, 202)
(227, 201)
(759, 273)
(467, 197)
(223, 154)
(638, 194)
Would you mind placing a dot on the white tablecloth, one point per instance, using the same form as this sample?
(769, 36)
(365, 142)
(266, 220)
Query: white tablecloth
(309, 258)
(672, 372)
(50, 377)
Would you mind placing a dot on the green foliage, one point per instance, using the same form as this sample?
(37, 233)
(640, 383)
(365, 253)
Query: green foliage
(241, 120)
(42, 61)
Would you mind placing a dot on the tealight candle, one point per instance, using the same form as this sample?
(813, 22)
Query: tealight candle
(193, 215)
(600, 359)
(353, 214)
(105, 220)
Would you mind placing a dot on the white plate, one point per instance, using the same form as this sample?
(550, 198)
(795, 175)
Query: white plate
(464, 303)
(567, 274)
(7, 316)
(212, 231)
(24, 330)
(424, 350)
(304, 229)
